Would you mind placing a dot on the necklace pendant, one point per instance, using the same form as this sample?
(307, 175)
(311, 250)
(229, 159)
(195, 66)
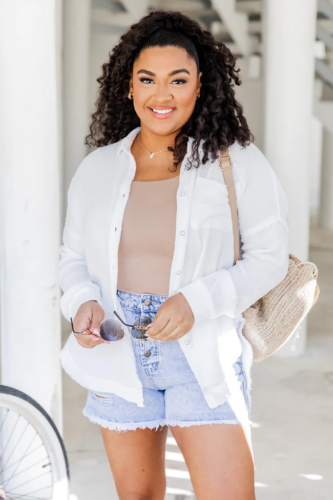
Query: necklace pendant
(151, 155)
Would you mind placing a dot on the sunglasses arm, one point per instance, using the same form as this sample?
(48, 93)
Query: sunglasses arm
(122, 320)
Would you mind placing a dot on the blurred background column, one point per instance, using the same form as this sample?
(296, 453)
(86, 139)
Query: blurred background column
(288, 40)
(326, 199)
(30, 157)
(76, 85)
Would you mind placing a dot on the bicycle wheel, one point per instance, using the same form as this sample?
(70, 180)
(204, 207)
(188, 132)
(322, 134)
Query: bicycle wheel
(33, 459)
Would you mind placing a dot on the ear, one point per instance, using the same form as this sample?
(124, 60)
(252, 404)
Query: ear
(131, 86)
(199, 81)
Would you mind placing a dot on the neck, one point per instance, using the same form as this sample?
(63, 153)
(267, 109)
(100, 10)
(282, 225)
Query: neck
(155, 142)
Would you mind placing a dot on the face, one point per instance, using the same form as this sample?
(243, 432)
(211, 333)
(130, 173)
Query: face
(165, 85)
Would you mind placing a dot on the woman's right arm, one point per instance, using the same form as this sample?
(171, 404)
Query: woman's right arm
(81, 299)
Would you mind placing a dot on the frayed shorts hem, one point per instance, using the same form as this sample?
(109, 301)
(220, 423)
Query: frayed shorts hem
(153, 424)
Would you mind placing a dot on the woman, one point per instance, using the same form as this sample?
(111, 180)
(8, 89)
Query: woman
(149, 233)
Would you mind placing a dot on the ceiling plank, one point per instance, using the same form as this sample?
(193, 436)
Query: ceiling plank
(237, 25)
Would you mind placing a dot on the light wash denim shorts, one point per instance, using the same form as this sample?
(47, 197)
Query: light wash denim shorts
(172, 395)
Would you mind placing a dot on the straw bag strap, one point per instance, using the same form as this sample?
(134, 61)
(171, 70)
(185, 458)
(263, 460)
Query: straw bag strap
(226, 166)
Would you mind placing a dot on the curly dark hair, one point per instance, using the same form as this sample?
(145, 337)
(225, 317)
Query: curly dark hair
(217, 117)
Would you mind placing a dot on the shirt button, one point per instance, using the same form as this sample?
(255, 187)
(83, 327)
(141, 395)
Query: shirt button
(183, 193)
(147, 354)
(147, 302)
(187, 342)
(182, 233)
(179, 271)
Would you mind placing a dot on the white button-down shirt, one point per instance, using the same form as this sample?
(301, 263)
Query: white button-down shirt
(202, 267)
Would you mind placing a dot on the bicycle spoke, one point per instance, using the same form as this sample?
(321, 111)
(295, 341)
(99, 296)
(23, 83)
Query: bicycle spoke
(28, 495)
(29, 481)
(27, 454)
(16, 444)
(18, 418)
(8, 480)
(33, 465)
(4, 420)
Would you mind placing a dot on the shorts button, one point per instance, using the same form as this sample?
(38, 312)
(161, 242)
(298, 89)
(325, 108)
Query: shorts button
(182, 233)
(147, 354)
(187, 342)
(179, 271)
(147, 302)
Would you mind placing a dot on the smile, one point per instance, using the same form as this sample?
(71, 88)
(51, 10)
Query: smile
(160, 112)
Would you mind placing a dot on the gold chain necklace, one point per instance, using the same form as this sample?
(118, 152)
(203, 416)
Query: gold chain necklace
(151, 155)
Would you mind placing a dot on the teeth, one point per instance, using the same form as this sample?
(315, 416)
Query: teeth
(162, 111)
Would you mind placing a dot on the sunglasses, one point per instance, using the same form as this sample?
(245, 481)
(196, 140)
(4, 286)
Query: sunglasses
(111, 329)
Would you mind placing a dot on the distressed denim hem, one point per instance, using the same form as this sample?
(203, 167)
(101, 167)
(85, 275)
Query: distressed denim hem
(123, 427)
(184, 423)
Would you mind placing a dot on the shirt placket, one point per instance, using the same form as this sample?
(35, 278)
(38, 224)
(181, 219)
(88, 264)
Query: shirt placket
(116, 227)
(183, 199)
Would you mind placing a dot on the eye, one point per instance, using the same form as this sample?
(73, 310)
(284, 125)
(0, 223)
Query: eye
(144, 80)
(150, 80)
(180, 80)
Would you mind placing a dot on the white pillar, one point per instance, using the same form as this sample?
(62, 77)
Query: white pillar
(30, 156)
(288, 40)
(76, 85)
(326, 198)
(316, 151)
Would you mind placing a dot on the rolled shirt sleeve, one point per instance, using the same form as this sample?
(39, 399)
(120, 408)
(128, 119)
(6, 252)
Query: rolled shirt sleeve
(74, 277)
(264, 233)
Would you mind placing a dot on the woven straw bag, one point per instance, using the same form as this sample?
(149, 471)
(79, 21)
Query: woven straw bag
(273, 319)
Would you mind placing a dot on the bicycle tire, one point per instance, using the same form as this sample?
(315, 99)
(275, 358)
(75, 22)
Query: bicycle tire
(32, 412)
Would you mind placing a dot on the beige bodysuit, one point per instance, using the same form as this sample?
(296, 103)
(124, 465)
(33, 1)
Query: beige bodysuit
(147, 238)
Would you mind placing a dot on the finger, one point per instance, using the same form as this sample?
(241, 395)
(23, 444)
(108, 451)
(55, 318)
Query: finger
(97, 318)
(166, 332)
(178, 333)
(90, 340)
(158, 325)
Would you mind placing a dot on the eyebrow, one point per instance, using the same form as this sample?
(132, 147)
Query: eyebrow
(170, 74)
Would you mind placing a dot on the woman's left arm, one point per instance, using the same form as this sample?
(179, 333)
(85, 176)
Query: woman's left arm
(262, 213)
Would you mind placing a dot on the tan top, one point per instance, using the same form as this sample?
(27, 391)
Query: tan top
(147, 239)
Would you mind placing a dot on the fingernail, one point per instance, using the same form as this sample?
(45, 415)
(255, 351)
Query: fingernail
(96, 330)
(96, 339)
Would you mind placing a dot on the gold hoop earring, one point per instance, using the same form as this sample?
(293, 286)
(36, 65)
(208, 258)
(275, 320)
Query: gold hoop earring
(130, 96)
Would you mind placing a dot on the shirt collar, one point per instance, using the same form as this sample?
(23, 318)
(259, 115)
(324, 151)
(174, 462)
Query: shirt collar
(126, 143)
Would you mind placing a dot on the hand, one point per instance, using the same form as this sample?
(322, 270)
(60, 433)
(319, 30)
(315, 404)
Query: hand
(172, 321)
(89, 317)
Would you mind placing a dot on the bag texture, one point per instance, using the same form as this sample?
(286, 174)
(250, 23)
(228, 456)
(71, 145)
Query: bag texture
(273, 319)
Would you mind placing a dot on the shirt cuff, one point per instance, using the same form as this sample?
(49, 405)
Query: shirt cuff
(211, 296)
(75, 296)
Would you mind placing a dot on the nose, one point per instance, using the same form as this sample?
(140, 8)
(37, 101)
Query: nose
(162, 94)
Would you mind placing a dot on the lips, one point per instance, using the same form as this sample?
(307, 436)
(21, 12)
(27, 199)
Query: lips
(162, 108)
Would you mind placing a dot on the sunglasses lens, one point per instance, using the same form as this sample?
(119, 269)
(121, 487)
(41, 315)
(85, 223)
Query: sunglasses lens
(143, 321)
(111, 330)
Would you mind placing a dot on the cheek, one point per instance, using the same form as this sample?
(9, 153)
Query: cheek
(186, 98)
(141, 98)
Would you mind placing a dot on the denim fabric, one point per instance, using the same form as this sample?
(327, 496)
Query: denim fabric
(172, 395)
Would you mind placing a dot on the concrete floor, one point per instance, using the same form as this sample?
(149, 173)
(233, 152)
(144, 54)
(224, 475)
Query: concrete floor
(292, 414)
